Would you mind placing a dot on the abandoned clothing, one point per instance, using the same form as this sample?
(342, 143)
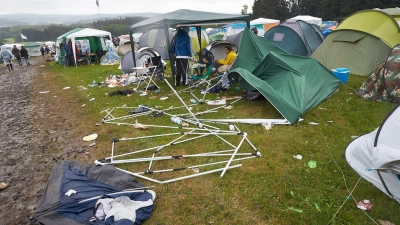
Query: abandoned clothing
(120, 208)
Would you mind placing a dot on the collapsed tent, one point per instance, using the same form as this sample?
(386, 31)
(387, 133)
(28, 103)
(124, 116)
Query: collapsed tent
(296, 37)
(361, 42)
(73, 189)
(292, 84)
(217, 49)
(376, 156)
(383, 84)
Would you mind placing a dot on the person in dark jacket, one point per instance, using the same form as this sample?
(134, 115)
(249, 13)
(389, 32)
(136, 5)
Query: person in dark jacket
(68, 53)
(42, 51)
(25, 55)
(204, 58)
(15, 51)
(182, 51)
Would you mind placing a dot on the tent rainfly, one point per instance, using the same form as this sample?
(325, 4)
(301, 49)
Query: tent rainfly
(184, 17)
(375, 156)
(296, 37)
(309, 19)
(361, 42)
(33, 48)
(292, 84)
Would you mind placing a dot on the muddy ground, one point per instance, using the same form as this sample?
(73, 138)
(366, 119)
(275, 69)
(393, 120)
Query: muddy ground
(35, 129)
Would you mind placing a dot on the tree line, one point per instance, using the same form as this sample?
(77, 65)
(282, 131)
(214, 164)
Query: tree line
(117, 27)
(325, 9)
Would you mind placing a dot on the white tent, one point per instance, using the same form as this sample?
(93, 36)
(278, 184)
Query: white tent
(309, 19)
(262, 25)
(87, 32)
(376, 156)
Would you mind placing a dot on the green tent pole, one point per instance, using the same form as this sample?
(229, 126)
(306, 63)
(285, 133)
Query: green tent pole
(248, 22)
(132, 47)
(172, 62)
(198, 29)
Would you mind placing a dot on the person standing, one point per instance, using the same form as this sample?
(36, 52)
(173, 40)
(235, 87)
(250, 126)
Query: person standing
(15, 51)
(42, 51)
(25, 55)
(182, 51)
(68, 53)
(47, 50)
(7, 59)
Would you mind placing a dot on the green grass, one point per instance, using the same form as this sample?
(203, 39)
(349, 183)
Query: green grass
(9, 40)
(263, 189)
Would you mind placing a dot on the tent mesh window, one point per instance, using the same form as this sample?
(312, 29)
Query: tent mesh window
(278, 36)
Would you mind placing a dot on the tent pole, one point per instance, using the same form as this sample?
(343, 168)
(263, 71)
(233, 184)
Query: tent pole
(132, 47)
(171, 59)
(198, 29)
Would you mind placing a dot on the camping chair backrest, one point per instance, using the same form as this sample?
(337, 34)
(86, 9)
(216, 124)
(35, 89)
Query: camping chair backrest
(156, 61)
(208, 72)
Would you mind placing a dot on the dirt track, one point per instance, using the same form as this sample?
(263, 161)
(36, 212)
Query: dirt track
(35, 128)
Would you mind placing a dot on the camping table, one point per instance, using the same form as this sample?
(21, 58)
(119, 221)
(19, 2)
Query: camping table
(144, 75)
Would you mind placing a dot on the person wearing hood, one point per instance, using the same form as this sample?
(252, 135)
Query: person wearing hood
(204, 58)
(182, 50)
(7, 59)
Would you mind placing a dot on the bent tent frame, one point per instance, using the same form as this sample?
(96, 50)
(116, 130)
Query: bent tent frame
(202, 130)
(182, 18)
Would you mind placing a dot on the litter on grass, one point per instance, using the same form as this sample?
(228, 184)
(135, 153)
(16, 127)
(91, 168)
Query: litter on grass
(365, 205)
(313, 123)
(91, 137)
(312, 164)
(299, 157)
(43, 92)
(66, 88)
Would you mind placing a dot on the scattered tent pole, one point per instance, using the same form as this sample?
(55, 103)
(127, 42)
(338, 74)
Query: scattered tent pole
(132, 47)
(233, 155)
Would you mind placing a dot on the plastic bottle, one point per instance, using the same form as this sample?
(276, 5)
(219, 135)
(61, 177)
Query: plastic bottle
(193, 101)
(176, 120)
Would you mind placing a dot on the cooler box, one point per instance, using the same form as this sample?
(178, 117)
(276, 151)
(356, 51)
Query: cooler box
(342, 74)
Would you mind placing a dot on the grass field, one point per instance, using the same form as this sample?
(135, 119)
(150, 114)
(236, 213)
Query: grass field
(273, 189)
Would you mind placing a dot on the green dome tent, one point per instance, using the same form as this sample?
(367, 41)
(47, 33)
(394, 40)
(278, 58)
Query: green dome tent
(296, 37)
(361, 42)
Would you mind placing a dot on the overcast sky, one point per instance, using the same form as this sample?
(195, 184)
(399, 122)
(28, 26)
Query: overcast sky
(121, 6)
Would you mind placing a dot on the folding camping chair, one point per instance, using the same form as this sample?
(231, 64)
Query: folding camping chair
(158, 67)
(152, 67)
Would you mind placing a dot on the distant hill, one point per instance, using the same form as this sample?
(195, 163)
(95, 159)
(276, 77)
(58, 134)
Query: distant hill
(11, 20)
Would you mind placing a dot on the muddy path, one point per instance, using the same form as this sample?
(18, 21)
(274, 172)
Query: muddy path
(36, 128)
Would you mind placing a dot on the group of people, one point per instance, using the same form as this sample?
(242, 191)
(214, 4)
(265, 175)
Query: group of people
(44, 50)
(18, 54)
(182, 51)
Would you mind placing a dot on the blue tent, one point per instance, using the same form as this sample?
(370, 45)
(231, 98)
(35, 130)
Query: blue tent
(91, 183)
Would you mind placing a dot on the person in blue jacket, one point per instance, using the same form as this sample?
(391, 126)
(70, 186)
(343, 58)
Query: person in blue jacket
(182, 51)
